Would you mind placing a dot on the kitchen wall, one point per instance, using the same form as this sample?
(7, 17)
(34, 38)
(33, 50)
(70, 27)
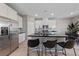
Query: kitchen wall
(60, 25)
(24, 22)
(63, 23)
(30, 25)
(46, 21)
(75, 19)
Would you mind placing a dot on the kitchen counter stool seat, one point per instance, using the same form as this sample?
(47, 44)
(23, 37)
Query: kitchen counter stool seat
(67, 45)
(50, 45)
(33, 44)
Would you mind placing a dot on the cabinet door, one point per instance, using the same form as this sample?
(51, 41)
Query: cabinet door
(12, 14)
(6, 11)
(14, 42)
(3, 10)
(4, 46)
(21, 37)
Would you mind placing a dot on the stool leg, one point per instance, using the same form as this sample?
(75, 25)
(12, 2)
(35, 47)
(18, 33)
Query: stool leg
(74, 51)
(62, 51)
(28, 51)
(56, 50)
(45, 52)
(65, 52)
(38, 53)
(42, 50)
(50, 52)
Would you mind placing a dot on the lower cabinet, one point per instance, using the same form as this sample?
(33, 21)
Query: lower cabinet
(14, 38)
(8, 44)
(4, 45)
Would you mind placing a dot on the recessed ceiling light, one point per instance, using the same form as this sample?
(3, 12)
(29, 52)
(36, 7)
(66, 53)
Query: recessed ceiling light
(52, 14)
(71, 13)
(36, 15)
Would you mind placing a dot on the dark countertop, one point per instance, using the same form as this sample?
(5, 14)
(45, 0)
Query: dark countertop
(21, 32)
(47, 36)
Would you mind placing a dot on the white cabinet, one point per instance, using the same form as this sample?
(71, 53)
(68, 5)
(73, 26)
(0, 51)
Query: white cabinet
(12, 14)
(7, 12)
(3, 10)
(21, 37)
(19, 19)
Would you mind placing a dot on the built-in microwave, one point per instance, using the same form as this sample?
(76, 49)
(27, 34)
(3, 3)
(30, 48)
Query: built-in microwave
(3, 30)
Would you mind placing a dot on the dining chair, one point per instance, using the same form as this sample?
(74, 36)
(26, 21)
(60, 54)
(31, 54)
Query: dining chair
(50, 44)
(67, 45)
(33, 44)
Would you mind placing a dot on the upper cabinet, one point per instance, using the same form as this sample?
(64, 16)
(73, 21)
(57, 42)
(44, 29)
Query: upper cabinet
(12, 14)
(6, 11)
(3, 10)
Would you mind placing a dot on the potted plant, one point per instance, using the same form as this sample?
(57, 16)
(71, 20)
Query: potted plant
(72, 30)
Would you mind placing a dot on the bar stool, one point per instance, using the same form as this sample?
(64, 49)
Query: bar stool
(67, 45)
(33, 44)
(50, 45)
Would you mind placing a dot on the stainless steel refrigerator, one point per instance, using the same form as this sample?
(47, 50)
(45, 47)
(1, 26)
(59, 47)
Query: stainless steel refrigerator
(9, 39)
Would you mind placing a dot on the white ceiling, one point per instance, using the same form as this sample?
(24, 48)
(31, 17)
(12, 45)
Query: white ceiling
(60, 10)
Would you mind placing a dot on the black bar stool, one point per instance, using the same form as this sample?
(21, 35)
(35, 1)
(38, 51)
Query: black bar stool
(67, 45)
(33, 44)
(50, 45)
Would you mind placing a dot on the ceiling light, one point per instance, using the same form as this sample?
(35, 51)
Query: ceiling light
(52, 14)
(36, 15)
(71, 13)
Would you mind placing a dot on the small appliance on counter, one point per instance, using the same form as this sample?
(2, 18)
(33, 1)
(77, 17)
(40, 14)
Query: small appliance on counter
(45, 29)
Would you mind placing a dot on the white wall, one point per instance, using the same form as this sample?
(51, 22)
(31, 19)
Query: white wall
(75, 19)
(30, 25)
(62, 24)
(38, 23)
(52, 23)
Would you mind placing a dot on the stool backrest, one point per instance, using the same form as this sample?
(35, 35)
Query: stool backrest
(70, 44)
(50, 44)
(33, 43)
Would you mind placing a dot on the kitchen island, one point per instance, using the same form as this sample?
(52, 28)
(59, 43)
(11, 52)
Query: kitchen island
(42, 38)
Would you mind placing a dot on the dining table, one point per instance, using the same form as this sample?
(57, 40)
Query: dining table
(47, 36)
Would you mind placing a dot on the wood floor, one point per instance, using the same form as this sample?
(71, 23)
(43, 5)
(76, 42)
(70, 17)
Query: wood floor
(22, 51)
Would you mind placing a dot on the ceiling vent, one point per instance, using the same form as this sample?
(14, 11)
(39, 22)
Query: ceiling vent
(38, 18)
(51, 18)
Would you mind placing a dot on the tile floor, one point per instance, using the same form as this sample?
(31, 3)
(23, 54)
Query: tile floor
(22, 51)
